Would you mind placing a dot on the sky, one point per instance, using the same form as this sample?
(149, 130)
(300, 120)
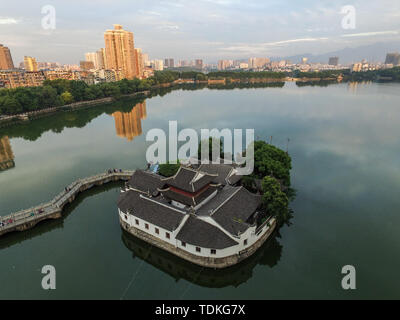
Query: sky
(190, 29)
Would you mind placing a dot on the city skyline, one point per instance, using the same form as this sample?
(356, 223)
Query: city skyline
(169, 29)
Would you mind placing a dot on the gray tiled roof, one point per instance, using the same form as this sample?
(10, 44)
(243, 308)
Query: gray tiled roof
(233, 213)
(221, 196)
(233, 179)
(222, 170)
(146, 181)
(184, 178)
(162, 215)
(202, 234)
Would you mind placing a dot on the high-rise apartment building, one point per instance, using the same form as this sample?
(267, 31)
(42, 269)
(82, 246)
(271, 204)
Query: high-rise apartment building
(157, 65)
(393, 58)
(256, 63)
(139, 62)
(101, 59)
(169, 63)
(333, 61)
(198, 64)
(120, 51)
(6, 62)
(225, 64)
(30, 64)
(92, 57)
(146, 60)
(98, 59)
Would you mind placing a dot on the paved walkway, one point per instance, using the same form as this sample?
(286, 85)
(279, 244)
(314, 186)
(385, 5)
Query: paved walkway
(27, 218)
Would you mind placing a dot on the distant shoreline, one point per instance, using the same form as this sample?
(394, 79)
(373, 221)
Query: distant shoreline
(10, 120)
(28, 116)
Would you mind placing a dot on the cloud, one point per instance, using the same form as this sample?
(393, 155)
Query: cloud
(369, 34)
(259, 47)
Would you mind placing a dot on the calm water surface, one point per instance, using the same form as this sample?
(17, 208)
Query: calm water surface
(344, 141)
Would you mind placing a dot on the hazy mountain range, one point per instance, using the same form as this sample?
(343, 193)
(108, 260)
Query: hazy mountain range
(373, 53)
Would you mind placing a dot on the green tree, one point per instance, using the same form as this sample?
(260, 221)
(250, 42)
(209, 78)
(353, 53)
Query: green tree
(271, 161)
(10, 105)
(67, 97)
(49, 98)
(274, 200)
(168, 169)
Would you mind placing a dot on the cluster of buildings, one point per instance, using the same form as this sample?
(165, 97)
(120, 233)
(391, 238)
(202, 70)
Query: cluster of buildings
(392, 60)
(32, 73)
(119, 59)
(265, 64)
(201, 214)
(169, 63)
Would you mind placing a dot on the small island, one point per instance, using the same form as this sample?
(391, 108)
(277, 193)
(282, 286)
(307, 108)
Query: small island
(208, 214)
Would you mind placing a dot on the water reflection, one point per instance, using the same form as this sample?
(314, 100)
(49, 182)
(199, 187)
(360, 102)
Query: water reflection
(267, 256)
(129, 124)
(46, 226)
(33, 130)
(6, 154)
(353, 85)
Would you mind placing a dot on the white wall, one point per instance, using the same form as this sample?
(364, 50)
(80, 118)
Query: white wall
(205, 252)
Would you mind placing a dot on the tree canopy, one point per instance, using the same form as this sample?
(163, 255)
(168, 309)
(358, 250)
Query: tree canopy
(168, 169)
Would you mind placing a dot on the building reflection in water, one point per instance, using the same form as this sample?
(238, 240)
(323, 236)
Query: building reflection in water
(268, 255)
(129, 124)
(354, 85)
(6, 154)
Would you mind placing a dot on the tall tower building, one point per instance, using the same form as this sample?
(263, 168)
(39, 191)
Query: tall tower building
(333, 61)
(91, 57)
(139, 62)
(393, 58)
(199, 64)
(120, 53)
(6, 61)
(30, 64)
(101, 59)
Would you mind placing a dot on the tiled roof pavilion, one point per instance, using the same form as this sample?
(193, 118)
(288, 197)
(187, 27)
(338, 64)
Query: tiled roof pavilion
(199, 194)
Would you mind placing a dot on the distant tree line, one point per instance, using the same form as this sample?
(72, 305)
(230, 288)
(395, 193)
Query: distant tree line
(246, 75)
(392, 74)
(320, 74)
(62, 92)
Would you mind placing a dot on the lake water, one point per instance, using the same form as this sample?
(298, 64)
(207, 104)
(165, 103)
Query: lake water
(345, 146)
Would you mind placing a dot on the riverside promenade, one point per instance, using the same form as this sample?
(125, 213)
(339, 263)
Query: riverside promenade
(28, 218)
